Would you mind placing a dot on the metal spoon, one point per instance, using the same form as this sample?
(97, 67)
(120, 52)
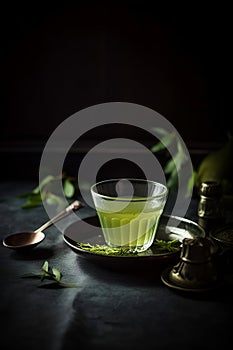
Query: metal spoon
(30, 239)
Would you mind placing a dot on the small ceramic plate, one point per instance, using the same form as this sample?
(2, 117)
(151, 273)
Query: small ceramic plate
(170, 228)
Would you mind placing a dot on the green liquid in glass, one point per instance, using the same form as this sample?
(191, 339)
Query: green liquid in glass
(130, 228)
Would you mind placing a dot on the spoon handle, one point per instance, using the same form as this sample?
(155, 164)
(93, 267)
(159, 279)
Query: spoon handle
(72, 207)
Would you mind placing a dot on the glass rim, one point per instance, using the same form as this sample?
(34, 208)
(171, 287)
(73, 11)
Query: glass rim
(132, 199)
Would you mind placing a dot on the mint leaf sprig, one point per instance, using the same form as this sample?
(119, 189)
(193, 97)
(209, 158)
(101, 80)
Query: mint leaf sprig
(47, 192)
(50, 277)
(173, 164)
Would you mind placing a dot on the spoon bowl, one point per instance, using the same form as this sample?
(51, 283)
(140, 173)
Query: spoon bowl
(23, 240)
(30, 239)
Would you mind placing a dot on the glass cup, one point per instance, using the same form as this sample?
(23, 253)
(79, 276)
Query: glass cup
(129, 211)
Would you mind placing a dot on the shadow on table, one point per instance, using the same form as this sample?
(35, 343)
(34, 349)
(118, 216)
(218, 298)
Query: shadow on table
(151, 277)
(125, 275)
(34, 254)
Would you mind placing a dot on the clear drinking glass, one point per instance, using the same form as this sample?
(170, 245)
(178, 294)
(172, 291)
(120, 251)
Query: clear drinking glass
(129, 211)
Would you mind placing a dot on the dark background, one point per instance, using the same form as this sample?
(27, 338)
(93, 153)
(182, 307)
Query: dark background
(59, 59)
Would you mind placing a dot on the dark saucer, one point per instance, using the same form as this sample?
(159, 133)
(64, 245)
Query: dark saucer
(170, 228)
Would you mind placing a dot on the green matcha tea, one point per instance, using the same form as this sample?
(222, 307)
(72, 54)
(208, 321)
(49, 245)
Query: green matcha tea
(133, 227)
(129, 211)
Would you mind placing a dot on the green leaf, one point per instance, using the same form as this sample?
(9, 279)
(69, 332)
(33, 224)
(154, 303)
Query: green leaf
(50, 274)
(26, 195)
(34, 200)
(47, 191)
(170, 166)
(35, 196)
(52, 199)
(173, 181)
(57, 274)
(164, 143)
(181, 153)
(56, 285)
(157, 147)
(45, 269)
(160, 131)
(45, 266)
(30, 195)
(191, 182)
(69, 188)
(44, 182)
(177, 162)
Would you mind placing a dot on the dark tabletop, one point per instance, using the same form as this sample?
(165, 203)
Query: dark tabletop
(109, 309)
